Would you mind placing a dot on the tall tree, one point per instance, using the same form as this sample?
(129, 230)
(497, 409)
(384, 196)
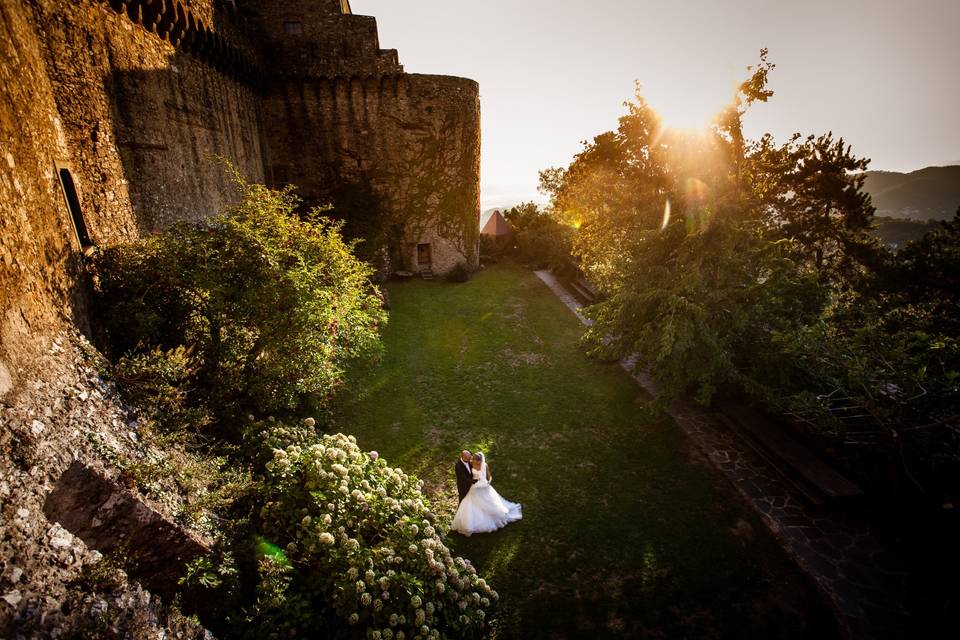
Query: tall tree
(816, 198)
(673, 230)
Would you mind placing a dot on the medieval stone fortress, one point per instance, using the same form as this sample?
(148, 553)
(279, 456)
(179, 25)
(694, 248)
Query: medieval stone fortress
(231, 404)
(112, 111)
(111, 115)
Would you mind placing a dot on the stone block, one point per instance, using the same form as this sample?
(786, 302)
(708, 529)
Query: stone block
(108, 517)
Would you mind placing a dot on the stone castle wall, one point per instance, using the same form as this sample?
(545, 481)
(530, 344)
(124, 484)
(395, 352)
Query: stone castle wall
(135, 97)
(144, 119)
(413, 138)
(136, 121)
(339, 109)
(38, 257)
(131, 98)
(314, 38)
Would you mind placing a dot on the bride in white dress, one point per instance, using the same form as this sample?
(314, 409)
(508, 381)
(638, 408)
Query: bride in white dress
(483, 509)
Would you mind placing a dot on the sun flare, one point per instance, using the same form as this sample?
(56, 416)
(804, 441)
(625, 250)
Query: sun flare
(689, 105)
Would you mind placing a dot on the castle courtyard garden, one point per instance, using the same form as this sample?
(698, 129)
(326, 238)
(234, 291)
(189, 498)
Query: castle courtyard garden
(627, 532)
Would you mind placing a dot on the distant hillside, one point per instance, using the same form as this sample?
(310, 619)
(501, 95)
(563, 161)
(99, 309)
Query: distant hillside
(897, 232)
(927, 194)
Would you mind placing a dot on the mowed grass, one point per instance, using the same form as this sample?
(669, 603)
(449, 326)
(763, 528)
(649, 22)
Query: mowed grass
(626, 533)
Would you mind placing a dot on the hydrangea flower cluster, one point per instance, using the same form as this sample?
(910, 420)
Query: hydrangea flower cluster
(361, 535)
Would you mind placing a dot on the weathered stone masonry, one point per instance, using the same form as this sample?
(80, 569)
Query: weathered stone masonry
(373, 130)
(134, 119)
(134, 97)
(338, 108)
(127, 100)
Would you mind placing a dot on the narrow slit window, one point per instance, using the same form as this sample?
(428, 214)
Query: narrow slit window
(73, 203)
(293, 27)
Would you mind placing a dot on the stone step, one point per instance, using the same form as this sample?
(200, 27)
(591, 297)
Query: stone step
(810, 493)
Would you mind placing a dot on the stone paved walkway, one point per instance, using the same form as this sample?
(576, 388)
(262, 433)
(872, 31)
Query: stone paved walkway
(846, 559)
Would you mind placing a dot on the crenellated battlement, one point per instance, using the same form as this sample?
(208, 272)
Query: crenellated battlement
(308, 38)
(191, 30)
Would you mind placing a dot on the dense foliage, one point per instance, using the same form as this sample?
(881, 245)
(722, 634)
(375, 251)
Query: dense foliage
(260, 311)
(267, 307)
(731, 265)
(359, 546)
(897, 232)
(540, 240)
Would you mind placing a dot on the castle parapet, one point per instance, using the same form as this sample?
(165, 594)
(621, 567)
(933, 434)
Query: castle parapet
(308, 38)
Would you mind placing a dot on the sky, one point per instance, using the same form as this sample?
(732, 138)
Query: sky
(883, 75)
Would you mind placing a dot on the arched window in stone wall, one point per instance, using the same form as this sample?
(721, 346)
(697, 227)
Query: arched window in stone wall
(69, 187)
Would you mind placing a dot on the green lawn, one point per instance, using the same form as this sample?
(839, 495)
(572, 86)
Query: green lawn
(626, 533)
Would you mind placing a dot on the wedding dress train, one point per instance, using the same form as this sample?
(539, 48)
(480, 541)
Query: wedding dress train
(483, 509)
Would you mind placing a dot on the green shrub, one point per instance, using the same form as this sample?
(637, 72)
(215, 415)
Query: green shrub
(490, 249)
(459, 273)
(539, 239)
(262, 437)
(269, 306)
(355, 540)
(157, 383)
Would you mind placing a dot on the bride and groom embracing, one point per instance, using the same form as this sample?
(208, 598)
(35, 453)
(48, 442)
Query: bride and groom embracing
(481, 508)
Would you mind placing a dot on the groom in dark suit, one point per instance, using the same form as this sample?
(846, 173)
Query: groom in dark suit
(464, 474)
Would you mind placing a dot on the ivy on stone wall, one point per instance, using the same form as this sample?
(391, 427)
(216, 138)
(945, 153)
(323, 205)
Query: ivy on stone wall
(438, 196)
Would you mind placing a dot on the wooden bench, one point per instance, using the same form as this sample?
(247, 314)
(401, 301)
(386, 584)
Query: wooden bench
(815, 479)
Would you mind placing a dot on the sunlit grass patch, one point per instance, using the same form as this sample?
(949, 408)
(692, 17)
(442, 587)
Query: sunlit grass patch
(622, 534)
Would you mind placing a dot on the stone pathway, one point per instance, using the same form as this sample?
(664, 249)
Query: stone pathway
(846, 559)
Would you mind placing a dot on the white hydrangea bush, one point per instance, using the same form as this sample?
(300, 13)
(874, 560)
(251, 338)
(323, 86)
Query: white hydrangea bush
(362, 541)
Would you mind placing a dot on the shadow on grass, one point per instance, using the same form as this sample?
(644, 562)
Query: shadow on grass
(624, 533)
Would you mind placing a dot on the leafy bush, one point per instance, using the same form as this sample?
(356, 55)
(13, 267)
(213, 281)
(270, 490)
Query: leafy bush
(157, 383)
(459, 273)
(353, 540)
(898, 391)
(540, 239)
(270, 307)
(490, 249)
(708, 313)
(262, 437)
